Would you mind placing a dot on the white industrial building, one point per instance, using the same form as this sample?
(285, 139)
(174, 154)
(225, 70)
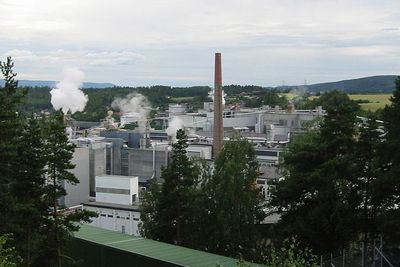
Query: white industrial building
(117, 204)
(116, 189)
(78, 193)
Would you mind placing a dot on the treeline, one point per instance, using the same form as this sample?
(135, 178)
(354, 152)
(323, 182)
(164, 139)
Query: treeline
(38, 98)
(35, 159)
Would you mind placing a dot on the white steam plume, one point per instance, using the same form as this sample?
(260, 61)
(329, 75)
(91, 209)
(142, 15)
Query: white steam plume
(174, 125)
(211, 95)
(134, 104)
(67, 95)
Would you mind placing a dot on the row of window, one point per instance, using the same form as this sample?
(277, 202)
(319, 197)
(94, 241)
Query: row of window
(118, 217)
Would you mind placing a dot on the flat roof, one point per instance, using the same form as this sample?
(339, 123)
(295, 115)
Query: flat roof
(165, 252)
(116, 176)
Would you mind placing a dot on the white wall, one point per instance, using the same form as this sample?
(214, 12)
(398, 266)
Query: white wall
(116, 220)
(112, 184)
(204, 152)
(79, 193)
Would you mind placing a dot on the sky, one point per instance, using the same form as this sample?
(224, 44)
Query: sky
(172, 42)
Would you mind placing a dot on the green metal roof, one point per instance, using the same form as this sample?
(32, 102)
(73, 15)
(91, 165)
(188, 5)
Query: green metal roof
(153, 249)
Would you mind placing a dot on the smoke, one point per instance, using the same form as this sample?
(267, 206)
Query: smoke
(174, 125)
(211, 95)
(136, 105)
(67, 95)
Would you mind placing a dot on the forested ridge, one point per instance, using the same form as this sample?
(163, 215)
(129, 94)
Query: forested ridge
(38, 98)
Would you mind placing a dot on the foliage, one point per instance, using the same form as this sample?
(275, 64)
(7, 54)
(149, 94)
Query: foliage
(368, 168)
(290, 254)
(372, 84)
(8, 255)
(313, 197)
(167, 210)
(35, 161)
(390, 180)
(196, 205)
(38, 98)
(10, 125)
(27, 190)
(60, 223)
(328, 100)
(130, 126)
(233, 196)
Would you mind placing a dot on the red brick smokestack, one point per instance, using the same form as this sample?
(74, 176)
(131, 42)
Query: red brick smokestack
(218, 137)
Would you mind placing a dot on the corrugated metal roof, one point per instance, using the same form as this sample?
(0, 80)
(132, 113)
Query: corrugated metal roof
(153, 249)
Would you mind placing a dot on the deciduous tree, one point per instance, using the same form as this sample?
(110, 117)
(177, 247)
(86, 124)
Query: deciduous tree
(234, 203)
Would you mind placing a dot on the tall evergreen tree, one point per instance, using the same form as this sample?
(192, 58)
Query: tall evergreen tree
(27, 190)
(10, 125)
(167, 210)
(34, 160)
(60, 222)
(234, 204)
(313, 197)
(364, 187)
(389, 183)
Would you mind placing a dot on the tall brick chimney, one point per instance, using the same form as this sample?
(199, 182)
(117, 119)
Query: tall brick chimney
(218, 136)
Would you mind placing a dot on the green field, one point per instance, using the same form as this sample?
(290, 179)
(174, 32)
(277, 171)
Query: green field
(377, 101)
(289, 96)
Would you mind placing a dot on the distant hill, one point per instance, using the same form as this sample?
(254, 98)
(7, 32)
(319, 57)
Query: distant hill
(51, 84)
(372, 84)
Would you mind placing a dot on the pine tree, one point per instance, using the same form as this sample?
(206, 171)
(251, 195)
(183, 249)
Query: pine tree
(10, 125)
(313, 199)
(167, 211)
(27, 191)
(60, 222)
(364, 186)
(389, 183)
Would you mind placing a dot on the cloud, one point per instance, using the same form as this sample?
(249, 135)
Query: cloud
(76, 57)
(173, 42)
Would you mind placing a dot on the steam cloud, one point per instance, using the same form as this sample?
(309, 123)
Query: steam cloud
(174, 125)
(134, 104)
(67, 95)
(211, 95)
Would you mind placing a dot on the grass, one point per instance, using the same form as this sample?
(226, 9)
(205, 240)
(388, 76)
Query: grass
(377, 101)
(289, 96)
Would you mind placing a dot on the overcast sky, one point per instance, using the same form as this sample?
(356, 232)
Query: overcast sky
(172, 42)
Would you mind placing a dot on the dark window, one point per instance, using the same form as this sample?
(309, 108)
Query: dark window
(267, 153)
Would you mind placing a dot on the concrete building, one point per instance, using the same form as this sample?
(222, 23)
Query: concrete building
(114, 217)
(115, 189)
(175, 109)
(97, 157)
(117, 200)
(78, 193)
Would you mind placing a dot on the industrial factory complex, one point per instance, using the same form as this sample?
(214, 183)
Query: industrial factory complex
(115, 165)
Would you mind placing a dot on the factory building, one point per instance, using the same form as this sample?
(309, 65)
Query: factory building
(117, 204)
(78, 193)
(140, 154)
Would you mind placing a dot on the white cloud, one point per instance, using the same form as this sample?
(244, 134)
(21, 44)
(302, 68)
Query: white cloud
(69, 57)
(299, 39)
